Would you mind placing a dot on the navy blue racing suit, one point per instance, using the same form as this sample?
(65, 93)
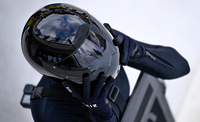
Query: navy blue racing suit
(159, 61)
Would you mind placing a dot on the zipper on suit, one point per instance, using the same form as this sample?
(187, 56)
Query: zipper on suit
(159, 60)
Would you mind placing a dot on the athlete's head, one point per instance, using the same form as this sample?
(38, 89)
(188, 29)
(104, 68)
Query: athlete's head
(65, 42)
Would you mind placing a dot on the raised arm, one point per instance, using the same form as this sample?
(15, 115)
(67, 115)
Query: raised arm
(160, 61)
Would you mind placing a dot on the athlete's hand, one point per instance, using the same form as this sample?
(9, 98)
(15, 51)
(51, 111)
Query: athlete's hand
(128, 47)
(94, 100)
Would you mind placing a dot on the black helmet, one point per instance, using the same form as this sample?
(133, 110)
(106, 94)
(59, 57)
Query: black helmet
(65, 42)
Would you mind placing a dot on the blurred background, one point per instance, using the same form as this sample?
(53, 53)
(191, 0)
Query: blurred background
(172, 23)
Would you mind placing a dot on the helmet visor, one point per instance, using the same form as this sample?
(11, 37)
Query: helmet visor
(89, 53)
(91, 50)
(92, 57)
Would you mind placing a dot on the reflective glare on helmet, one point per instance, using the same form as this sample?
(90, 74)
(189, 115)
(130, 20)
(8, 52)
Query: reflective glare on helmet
(94, 46)
(91, 51)
(58, 27)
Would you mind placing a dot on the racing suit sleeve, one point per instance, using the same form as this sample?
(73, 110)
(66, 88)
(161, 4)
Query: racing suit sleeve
(159, 61)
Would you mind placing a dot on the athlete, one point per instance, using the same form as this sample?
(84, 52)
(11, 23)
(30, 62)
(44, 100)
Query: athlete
(74, 51)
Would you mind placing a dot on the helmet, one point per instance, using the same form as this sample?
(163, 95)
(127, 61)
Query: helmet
(65, 42)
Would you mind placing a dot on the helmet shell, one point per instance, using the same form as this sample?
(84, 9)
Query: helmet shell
(65, 42)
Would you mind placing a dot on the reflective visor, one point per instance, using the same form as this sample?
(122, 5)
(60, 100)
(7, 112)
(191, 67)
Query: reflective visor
(92, 57)
(90, 52)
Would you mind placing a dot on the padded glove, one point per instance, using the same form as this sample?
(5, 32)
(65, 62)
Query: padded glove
(94, 100)
(128, 47)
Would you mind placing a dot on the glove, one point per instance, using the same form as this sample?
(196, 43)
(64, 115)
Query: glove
(94, 100)
(128, 47)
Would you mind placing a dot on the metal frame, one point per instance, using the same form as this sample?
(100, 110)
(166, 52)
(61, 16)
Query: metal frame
(147, 102)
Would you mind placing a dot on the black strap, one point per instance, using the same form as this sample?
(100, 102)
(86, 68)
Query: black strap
(55, 92)
(120, 102)
(40, 92)
(116, 97)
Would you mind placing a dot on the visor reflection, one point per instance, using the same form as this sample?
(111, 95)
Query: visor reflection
(58, 28)
(91, 52)
(90, 55)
